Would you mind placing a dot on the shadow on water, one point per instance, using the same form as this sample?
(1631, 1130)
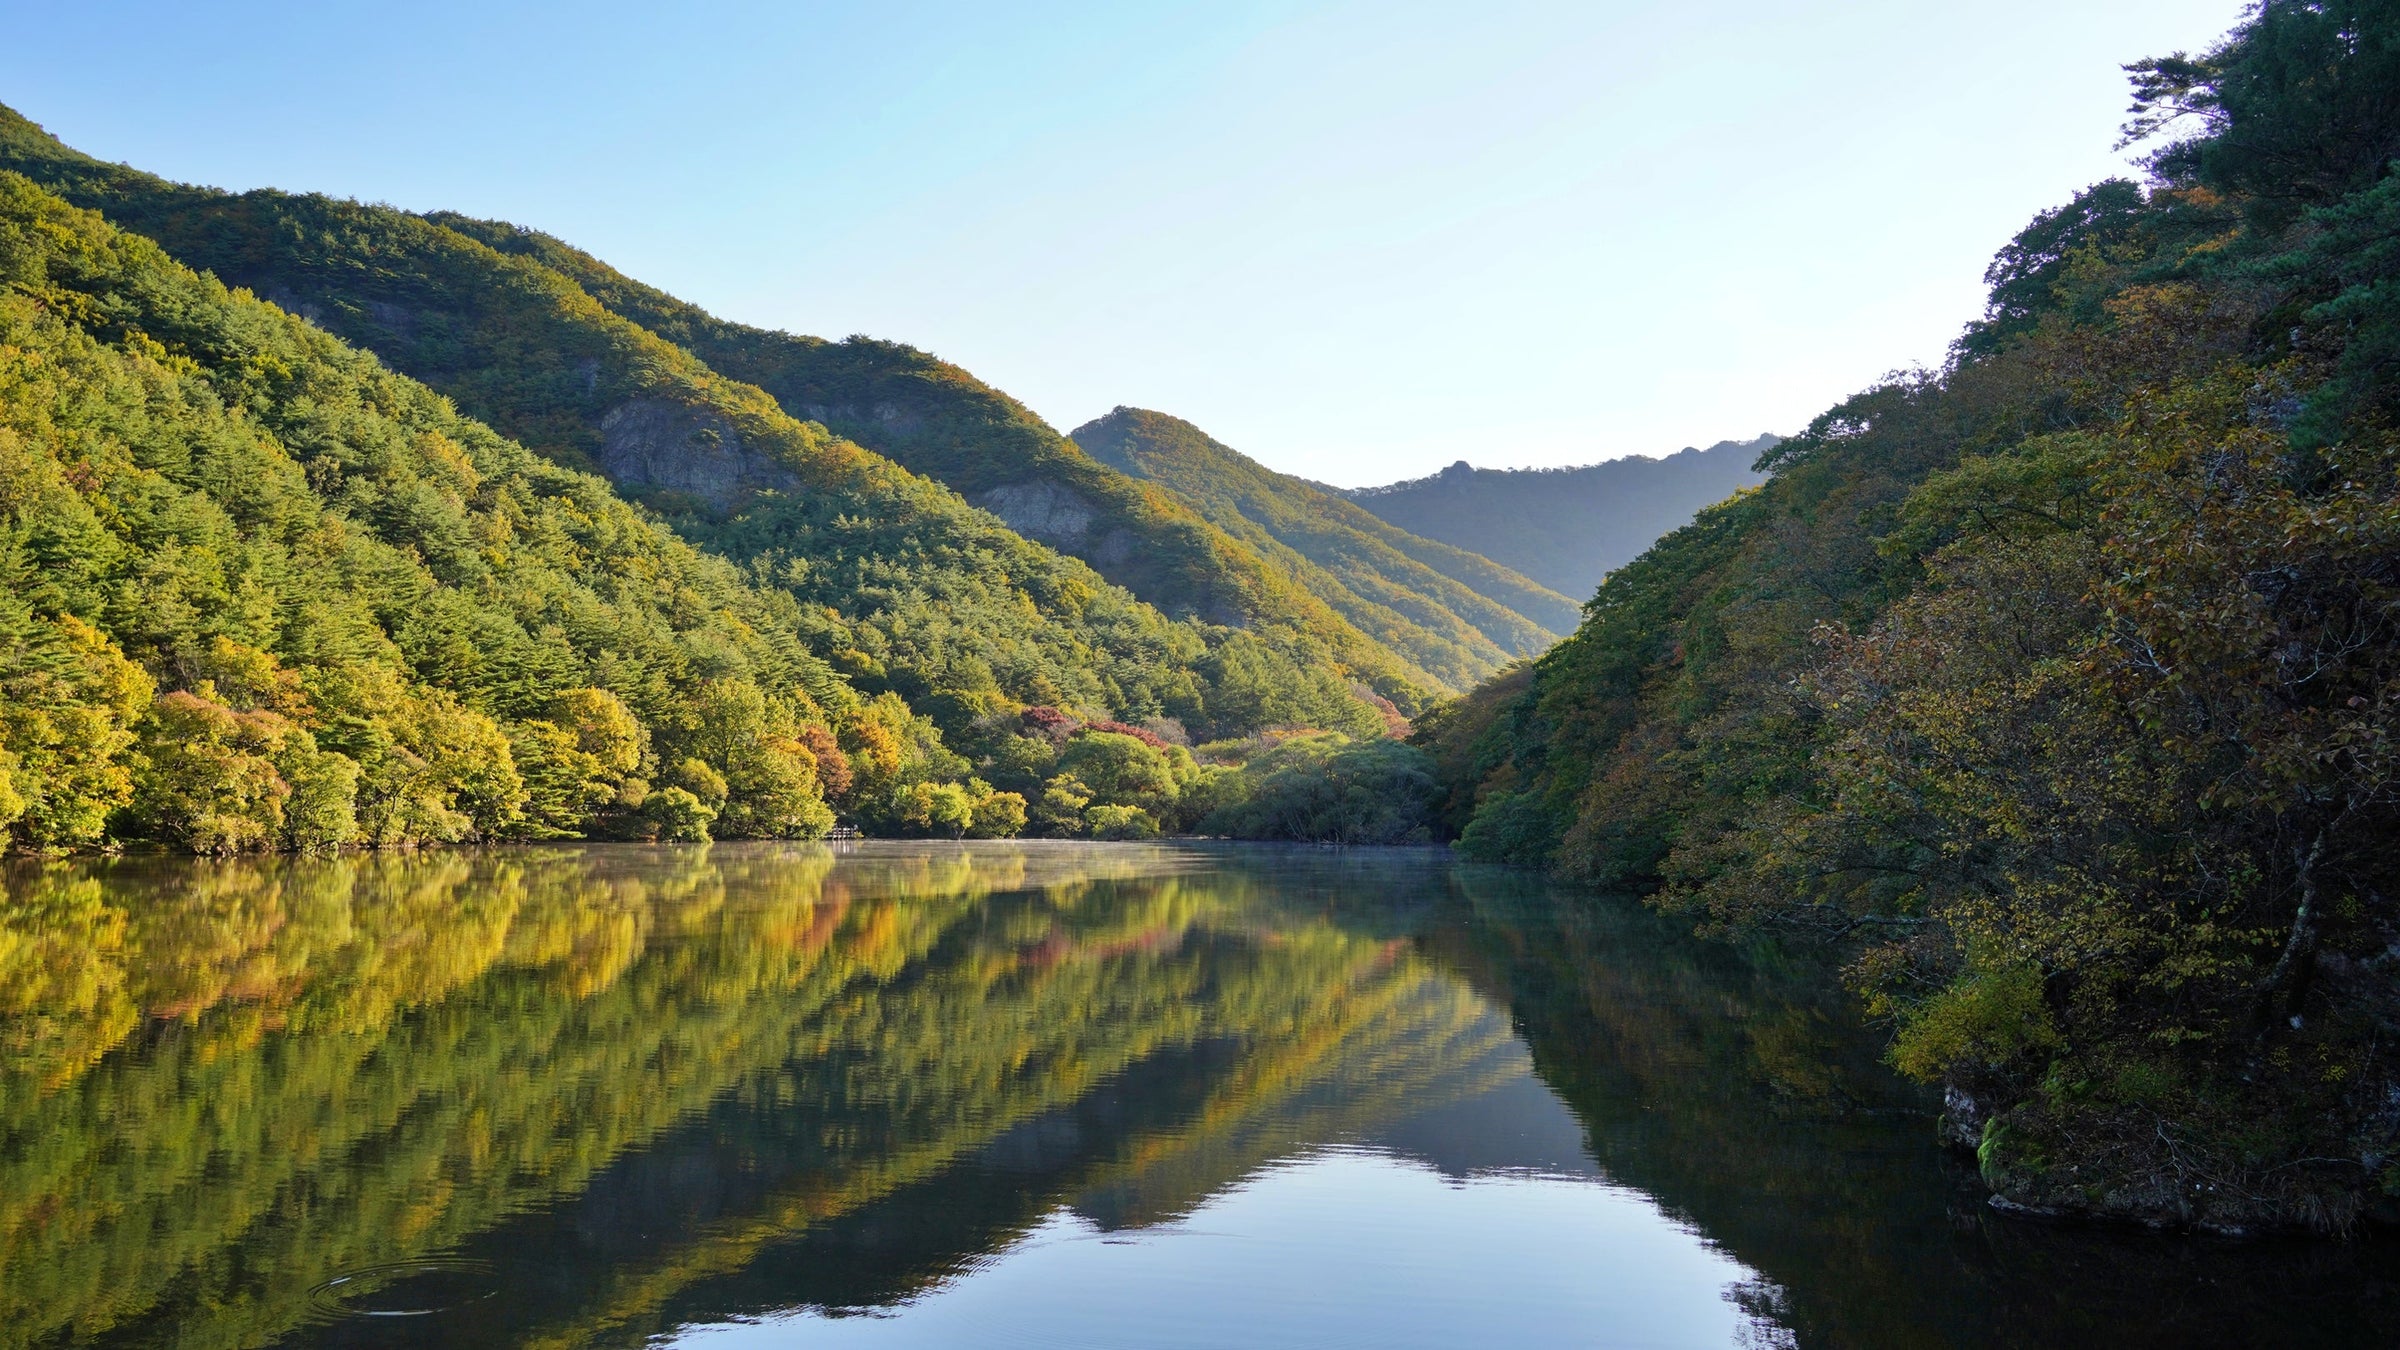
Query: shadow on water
(590, 1096)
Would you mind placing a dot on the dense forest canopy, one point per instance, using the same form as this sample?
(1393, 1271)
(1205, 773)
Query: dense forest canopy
(265, 594)
(363, 618)
(2060, 682)
(262, 593)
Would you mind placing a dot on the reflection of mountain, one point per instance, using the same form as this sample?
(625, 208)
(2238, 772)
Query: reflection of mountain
(657, 1076)
(654, 1087)
(1519, 1125)
(1433, 1043)
(1299, 1026)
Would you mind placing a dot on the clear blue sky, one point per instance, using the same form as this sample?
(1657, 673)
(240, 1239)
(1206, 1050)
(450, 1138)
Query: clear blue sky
(1358, 240)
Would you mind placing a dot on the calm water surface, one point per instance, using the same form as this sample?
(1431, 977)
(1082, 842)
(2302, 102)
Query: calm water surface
(1040, 1095)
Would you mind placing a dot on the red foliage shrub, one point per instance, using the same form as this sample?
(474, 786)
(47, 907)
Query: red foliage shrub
(1051, 722)
(1143, 734)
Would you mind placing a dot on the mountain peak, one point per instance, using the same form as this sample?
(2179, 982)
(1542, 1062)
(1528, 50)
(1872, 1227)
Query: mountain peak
(1447, 608)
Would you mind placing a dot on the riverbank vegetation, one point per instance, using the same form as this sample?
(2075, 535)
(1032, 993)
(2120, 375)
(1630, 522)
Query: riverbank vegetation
(2061, 682)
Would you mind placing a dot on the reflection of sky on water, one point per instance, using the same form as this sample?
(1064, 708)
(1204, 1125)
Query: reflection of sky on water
(1339, 1247)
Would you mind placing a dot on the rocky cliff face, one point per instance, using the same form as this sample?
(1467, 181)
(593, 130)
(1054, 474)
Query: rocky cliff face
(653, 445)
(1058, 515)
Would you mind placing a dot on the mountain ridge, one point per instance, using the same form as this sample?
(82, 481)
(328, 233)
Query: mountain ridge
(1567, 527)
(259, 592)
(2057, 686)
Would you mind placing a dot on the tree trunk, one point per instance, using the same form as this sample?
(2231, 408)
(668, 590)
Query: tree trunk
(2288, 981)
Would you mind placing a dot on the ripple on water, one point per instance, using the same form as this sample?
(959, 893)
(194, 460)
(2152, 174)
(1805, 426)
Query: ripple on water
(406, 1288)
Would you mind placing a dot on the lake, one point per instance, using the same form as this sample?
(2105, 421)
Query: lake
(999, 1094)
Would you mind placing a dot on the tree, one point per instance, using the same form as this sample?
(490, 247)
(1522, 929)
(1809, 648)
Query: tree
(1119, 822)
(943, 809)
(2025, 276)
(2298, 106)
(1120, 770)
(220, 781)
(678, 816)
(998, 815)
(769, 774)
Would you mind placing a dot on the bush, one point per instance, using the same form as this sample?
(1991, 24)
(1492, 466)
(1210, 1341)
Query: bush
(1987, 1020)
(998, 816)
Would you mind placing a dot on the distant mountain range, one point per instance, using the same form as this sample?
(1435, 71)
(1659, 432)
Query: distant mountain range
(1567, 528)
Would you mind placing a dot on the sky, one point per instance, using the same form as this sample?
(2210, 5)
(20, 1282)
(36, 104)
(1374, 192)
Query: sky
(1357, 241)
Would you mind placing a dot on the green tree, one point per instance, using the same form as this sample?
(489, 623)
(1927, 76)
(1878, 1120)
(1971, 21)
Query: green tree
(1116, 821)
(1120, 770)
(678, 817)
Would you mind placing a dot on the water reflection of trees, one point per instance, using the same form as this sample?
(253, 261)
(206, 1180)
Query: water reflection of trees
(301, 1090)
(230, 1081)
(1734, 1087)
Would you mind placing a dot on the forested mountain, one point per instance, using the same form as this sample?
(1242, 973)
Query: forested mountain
(940, 421)
(1381, 578)
(256, 591)
(943, 604)
(2062, 683)
(1567, 528)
